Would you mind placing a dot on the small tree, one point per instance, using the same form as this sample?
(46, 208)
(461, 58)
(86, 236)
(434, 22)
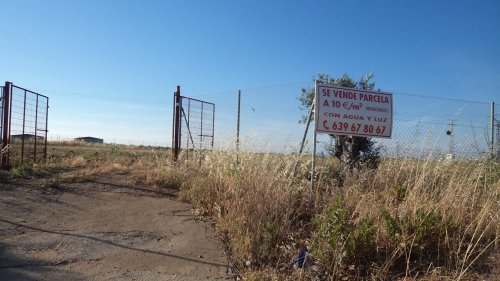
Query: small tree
(352, 151)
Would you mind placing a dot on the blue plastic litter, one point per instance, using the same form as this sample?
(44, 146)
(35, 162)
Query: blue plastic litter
(301, 258)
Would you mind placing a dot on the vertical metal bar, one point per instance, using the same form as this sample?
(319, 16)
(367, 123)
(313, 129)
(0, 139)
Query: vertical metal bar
(46, 130)
(189, 130)
(10, 118)
(5, 124)
(177, 122)
(23, 135)
(238, 123)
(173, 124)
(1, 111)
(188, 119)
(498, 138)
(181, 111)
(492, 126)
(313, 165)
(201, 126)
(213, 125)
(36, 129)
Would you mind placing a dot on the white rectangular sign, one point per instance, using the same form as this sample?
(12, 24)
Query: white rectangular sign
(353, 112)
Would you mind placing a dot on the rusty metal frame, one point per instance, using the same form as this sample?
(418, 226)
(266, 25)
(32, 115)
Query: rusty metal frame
(176, 126)
(29, 106)
(193, 123)
(5, 163)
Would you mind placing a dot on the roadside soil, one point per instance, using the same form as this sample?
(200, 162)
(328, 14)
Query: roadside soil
(105, 228)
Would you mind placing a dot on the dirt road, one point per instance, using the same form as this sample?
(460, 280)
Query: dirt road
(104, 229)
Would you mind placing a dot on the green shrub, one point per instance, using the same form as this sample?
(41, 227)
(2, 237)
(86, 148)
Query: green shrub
(21, 171)
(339, 243)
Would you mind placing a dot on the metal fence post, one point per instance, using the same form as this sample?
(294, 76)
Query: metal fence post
(201, 126)
(46, 130)
(492, 126)
(213, 125)
(177, 119)
(238, 123)
(6, 124)
(1, 112)
(23, 136)
(36, 129)
(189, 129)
(174, 125)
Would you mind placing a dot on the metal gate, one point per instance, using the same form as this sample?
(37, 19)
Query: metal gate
(193, 125)
(24, 126)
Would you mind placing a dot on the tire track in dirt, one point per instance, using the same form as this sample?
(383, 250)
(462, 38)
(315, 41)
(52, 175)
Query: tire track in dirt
(100, 231)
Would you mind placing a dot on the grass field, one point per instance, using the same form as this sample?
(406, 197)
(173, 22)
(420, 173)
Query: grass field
(409, 219)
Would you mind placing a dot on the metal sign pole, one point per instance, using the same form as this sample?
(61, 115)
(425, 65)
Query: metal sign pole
(313, 165)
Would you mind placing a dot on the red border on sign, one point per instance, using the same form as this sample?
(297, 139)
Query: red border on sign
(316, 111)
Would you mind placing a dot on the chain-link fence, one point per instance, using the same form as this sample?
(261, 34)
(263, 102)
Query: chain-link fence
(271, 120)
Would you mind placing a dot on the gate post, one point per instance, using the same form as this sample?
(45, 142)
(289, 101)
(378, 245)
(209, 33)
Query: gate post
(46, 130)
(177, 120)
(6, 125)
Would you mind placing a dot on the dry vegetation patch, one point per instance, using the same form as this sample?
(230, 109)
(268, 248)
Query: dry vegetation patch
(410, 218)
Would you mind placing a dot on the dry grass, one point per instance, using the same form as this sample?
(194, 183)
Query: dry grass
(78, 162)
(409, 219)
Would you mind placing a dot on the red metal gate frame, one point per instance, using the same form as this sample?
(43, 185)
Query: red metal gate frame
(6, 125)
(176, 127)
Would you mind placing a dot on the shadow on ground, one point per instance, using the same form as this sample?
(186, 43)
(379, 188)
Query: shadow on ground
(15, 268)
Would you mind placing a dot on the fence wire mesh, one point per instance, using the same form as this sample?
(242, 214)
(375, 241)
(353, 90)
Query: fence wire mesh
(28, 126)
(423, 125)
(197, 124)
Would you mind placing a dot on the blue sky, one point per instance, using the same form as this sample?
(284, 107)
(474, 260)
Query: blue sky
(110, 67)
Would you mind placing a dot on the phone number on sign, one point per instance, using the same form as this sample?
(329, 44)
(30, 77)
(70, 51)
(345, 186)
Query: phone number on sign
(354, 128)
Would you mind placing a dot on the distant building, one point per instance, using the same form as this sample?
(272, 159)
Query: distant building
(90, 140)
(26, 137)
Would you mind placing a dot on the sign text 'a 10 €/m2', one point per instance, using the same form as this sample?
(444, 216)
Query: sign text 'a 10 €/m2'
(353, 112)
